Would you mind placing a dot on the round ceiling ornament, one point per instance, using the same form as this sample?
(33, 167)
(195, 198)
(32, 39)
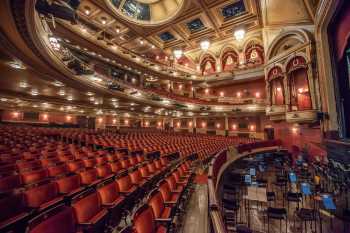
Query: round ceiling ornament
(147, 12)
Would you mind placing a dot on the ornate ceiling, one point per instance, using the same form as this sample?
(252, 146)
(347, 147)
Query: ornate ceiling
(116, 49)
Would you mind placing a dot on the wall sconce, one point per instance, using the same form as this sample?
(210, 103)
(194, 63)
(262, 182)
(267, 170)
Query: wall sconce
(252, 127)
(234, 126)
(218, 125)
(204, 124)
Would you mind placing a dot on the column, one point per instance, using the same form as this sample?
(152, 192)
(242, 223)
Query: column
(226, 126)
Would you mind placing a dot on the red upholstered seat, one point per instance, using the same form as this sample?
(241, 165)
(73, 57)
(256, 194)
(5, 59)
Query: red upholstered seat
(125, 185)
(58, 220)
(160, 211)
(75, 166)
(57, 170)
(104, 171)
(174, 187)
(116, 167)
(36, 176)
(28, 165)
(136, 178)
(43, 196)
(109, 195)
(144, 221)
(89, 163)
(168, 196)
(89, 213)
(69, 185)
(89, 177)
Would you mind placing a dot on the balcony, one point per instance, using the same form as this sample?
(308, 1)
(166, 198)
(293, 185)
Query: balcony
(305, 116)
(276, 112)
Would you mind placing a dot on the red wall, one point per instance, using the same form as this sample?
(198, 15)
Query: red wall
(49, 117)
(231, 90)
(299, 135)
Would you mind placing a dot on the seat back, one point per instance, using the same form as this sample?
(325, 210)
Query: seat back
(156, 202)
(143, 220)
(144, 171)
(68, 184)
(88, 177)
(116, 167)
(57, 220)
(34, 176)
(135, 176)
(164, 189)
(124, 183)
(104, 171)
(57, 170)
(87, 207)
(36, 196)
(75, 166)
(108, 193)
(171, 182)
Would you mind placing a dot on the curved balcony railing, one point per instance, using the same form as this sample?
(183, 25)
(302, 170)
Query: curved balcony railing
(217, 166)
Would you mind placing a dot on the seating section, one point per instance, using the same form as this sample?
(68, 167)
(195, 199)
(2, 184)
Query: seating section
(73, 180)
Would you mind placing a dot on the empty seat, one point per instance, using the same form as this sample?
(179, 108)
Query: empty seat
(125, 185)
(34, 176)
(145, 173)
(75, 166)
(160, 211)
(109, 194)
(28, 165)
(69, 186)
(144, 221)
(173, 185)
(89, 177)
(43, 196)
(168, 196)
(57, 170)
(89, 163)
(101, 160)
(116, 167)
(58, 220)
(49, 161)
(110, 198)
(104, 171)
(89, 213)
(137, 179)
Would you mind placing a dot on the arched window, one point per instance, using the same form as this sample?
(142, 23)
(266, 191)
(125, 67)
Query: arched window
(208, 65)
(275, 78)
(229, 60)
(299, 85)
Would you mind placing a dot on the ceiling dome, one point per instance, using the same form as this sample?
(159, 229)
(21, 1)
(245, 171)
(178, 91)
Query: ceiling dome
(146, 12)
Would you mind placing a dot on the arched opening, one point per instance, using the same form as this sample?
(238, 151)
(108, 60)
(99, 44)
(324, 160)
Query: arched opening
(254, 54)
(229, 60)
(275, 78)
(208, 65)
(299, 90)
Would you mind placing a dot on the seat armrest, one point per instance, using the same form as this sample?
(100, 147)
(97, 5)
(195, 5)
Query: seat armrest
(170, 202)
(163, 219)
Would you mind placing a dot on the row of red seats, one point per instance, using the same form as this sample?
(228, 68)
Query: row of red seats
(98, 208)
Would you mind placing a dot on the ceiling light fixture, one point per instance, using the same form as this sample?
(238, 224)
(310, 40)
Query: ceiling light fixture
(239, 34)
(178, 53)
(23, 84)
(205, 44)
